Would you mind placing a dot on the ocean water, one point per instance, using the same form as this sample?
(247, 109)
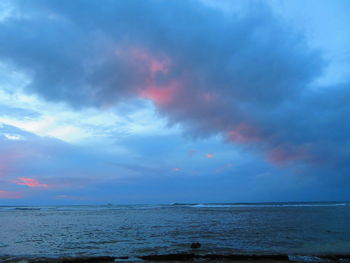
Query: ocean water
(113, 230)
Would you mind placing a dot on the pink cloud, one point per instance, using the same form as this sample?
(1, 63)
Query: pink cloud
(284, 154)
(147, 62)
(176, 169)
(244, 133)
(177, 95)
(159, 94)
(150, 66)
(10, 195)
(31, 182)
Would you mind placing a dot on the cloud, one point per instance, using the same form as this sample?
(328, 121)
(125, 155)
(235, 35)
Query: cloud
(247, 78)
(31, 182)
(38, 161)
(13, 136)
(60, 168)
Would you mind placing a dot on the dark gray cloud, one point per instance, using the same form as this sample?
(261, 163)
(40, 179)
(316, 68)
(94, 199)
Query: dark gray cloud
(247, 77)
(69, 49)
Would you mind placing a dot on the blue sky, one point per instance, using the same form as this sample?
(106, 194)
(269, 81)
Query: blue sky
(174, 101)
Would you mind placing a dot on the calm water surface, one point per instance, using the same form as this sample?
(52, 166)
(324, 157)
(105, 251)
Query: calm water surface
(306, 228)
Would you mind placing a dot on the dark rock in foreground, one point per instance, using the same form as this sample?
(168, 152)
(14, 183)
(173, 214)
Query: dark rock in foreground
(191, 256)
(187, 257)
(74, 260)
(245, 257)
(169, 257)
(196, 245)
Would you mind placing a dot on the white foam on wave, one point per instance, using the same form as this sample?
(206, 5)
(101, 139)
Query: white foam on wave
(268, 205)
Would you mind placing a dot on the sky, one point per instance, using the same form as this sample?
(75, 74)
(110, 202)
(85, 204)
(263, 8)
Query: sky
(133, 102)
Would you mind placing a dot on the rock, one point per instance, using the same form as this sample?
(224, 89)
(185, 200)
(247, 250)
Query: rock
(88, 259)
(166, 257)
(196, 245)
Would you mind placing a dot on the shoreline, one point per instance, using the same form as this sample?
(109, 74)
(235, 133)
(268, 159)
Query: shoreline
(184, 257)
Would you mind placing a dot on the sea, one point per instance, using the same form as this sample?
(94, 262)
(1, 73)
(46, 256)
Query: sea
(300, 230)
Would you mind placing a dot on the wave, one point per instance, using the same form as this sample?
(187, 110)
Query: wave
(79, 207)
(268, 205)
(19, 208)
(191, 205)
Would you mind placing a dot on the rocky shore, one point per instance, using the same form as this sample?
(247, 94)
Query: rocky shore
(187, 257)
